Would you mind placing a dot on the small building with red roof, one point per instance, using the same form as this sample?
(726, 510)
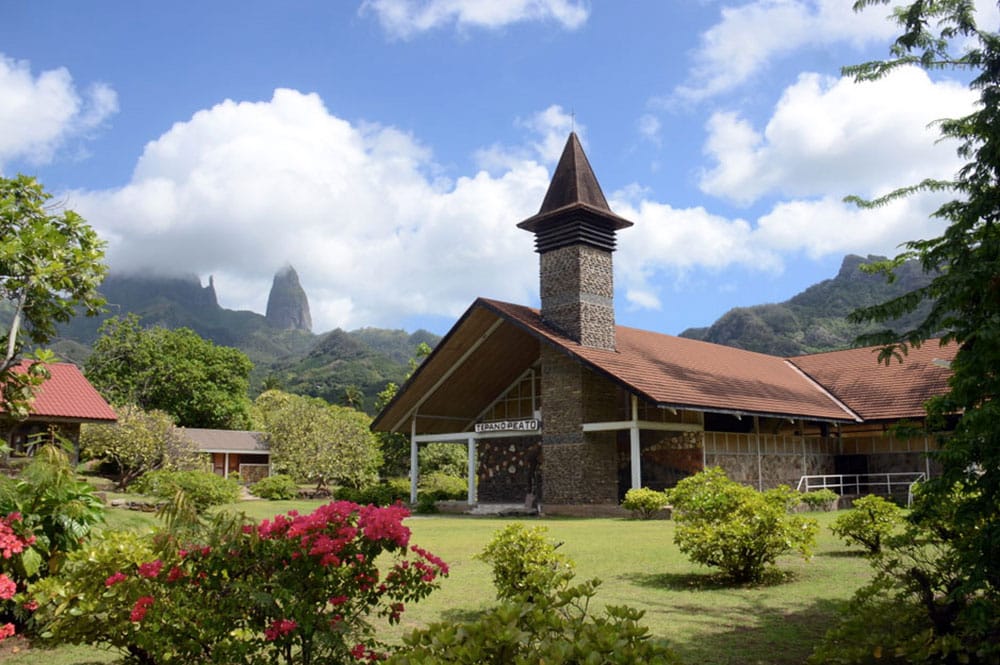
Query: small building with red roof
(62, 403)
(562, 409)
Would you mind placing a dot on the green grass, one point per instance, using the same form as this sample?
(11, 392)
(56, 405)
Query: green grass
(686, 606)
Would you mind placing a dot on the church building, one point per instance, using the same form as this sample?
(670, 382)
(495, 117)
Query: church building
(563, 410)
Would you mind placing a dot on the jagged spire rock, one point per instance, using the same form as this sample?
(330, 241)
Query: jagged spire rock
(287, 304)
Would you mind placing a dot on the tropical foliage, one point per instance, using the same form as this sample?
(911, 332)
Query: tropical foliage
(139, 442)
(176, 371)
(50, 268)
(317, 442)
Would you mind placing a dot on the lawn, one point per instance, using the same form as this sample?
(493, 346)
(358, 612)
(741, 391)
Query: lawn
(686, 606)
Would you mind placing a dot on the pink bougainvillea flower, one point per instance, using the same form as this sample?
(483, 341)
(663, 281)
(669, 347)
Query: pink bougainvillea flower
(8, 587)
(115, 579)
(140, 608)
(151, 569)
(279, 628)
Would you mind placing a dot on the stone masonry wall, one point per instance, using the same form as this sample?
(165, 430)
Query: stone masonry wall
(576, 468)
(577, 291)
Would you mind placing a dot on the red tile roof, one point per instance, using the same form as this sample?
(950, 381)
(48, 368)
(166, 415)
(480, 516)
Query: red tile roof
(685, 373)
(68, 395)
(882, 392)
(494, 342)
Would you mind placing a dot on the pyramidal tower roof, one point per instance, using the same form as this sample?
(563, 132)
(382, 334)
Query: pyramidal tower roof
(574, 200)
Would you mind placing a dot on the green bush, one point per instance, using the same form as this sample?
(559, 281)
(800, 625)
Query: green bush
(868, 523)
(203, 489)
(276, 487)
(525, 563)
(451, 459)
(645, 503)
(444, 487)
(552, 629)
(820, 499)
(383, 494)
(735, 528)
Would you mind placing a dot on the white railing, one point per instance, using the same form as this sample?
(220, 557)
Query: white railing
(864, 483)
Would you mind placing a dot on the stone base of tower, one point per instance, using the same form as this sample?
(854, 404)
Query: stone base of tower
(582, 473)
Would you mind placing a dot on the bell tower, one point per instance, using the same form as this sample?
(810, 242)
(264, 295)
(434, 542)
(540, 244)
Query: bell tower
(575, 237)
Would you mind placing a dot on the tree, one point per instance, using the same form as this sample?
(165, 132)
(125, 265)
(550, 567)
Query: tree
(395, 446)
(50, 267)
(139, 442)
(965, 292)
(198, 383)
(316, 441)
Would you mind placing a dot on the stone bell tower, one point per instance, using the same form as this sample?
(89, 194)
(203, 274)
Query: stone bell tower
(575, 237)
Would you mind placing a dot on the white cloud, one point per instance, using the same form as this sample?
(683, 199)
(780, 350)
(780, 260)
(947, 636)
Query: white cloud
(39, 115)
(834, 136)
(749, 36)
(828, 226)
(649, 128)
(242, 188)
(548, 128)
(405, 18)
(669, 240)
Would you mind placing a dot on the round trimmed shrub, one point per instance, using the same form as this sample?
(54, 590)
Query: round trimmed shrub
(203, 489)
(645, 503)
(735, 528)
(276, 487)
(820, 499)
(868, 523)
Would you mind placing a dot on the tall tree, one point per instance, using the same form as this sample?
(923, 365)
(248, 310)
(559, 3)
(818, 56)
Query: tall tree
(139, 442)
(198, 383)
(318, 442)
(50, 267)
(963, 510)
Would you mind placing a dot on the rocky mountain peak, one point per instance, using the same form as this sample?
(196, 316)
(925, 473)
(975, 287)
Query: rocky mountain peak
(287, 304)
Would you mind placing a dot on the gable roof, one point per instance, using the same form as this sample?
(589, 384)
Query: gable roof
(495, 342)
(67, 395)
(684, 373)
(878, 391)
(228, 441)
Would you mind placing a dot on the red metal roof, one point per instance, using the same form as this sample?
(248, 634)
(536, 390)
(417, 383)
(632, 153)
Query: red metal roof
(68, 395)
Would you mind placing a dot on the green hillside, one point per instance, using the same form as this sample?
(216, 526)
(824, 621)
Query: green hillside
(299, 361)
(816, 319)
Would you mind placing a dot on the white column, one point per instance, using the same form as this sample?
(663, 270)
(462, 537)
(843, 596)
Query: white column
(414, 461)
(472, 470)
(225, 469)
(760, 470)
(633, 440)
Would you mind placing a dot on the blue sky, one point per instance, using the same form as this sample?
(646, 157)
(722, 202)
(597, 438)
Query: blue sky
(387, 148)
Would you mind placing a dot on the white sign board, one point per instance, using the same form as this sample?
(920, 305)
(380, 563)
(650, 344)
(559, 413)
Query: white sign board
(526, 425)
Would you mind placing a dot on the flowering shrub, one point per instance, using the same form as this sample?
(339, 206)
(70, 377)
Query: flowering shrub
(292, 589)
(13, 545)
